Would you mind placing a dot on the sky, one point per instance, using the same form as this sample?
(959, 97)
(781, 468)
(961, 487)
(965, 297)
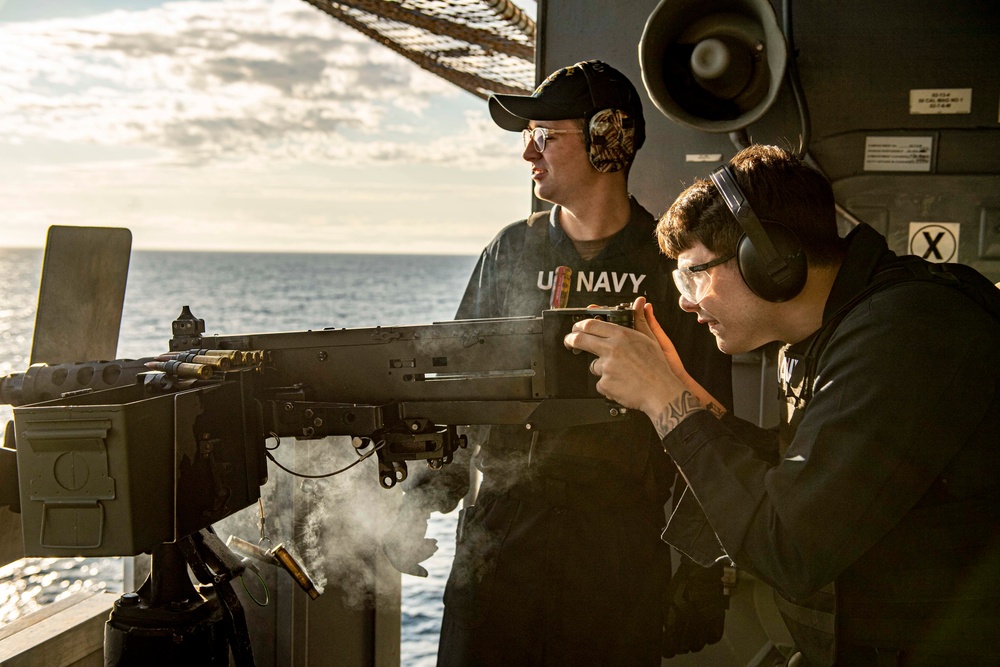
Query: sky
(242, 125)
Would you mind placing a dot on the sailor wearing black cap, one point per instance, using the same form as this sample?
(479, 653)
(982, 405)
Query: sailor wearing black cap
(559, 561)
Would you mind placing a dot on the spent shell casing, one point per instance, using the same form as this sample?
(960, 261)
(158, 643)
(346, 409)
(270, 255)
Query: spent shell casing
(181, 369)
(298, 574)
(250, 549)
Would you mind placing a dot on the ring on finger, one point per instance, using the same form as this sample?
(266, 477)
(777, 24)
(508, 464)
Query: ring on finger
(593, 367)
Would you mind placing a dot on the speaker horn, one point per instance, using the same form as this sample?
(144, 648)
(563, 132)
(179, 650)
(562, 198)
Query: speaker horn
(716, 70)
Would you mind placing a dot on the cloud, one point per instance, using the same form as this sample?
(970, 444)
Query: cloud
(249, 125)
(236, 82)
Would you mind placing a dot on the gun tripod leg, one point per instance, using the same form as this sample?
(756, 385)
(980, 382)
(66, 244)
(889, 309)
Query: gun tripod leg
(169, 621)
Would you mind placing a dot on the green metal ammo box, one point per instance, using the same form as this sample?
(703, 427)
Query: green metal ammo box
(116, 472)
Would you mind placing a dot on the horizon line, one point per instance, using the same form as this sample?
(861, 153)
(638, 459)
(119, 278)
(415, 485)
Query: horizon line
(247, 251)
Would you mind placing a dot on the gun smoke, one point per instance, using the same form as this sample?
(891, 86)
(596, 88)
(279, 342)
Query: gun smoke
(332, 525)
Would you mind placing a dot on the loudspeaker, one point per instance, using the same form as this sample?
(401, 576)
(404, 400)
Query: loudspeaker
(610, 138)
(716, 67)
(769, 254)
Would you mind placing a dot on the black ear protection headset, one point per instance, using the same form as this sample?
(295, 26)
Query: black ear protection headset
(610, 134)
(769, 254)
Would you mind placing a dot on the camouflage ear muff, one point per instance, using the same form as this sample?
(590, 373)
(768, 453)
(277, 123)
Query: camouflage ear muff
(610, 139)
(610, 132)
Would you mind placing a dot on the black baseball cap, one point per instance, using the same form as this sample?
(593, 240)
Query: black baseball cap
(576, 91)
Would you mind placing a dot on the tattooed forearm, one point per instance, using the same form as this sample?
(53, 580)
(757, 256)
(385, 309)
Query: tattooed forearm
(676, 411)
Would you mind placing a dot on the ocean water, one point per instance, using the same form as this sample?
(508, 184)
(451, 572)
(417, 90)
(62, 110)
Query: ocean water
(242, 293)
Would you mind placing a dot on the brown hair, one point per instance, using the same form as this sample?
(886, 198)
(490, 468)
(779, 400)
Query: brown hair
(779, 187)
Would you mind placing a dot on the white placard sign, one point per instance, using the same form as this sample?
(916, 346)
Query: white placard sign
(934, 241)
(898, 153)
(941, 100)
(703, 157)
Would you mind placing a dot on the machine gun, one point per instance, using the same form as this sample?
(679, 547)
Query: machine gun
(115, 457)
(118, 458)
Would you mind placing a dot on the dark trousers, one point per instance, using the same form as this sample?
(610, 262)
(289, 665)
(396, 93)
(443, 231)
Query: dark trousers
(540, 583)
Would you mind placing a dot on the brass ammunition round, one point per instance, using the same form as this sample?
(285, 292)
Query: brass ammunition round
(235, 356)
(182, 369)
(222, 363)
(198, 371)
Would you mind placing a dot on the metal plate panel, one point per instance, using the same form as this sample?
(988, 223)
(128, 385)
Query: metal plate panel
(81, 294)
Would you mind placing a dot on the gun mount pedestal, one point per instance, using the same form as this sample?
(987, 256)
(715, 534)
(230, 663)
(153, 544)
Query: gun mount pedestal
(169, 621)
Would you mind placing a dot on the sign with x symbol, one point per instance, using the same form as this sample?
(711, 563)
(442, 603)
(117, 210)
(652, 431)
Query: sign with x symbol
(935, 241)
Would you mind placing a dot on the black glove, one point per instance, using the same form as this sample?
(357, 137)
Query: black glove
(694, 608)
(405, 543)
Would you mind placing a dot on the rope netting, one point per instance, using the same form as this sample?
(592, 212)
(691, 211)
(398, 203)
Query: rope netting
(483, 46)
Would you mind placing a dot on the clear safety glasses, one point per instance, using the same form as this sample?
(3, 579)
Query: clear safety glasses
(538, 136)
(693, 281)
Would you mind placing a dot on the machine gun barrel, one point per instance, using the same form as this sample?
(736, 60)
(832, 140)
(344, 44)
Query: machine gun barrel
(41, 382)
